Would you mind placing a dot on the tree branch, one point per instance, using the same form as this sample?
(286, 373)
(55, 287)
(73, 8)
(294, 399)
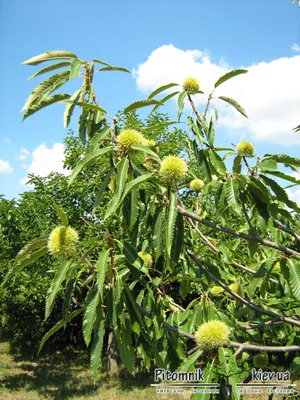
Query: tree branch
(242, 235)
(248, 303)
(287, 229)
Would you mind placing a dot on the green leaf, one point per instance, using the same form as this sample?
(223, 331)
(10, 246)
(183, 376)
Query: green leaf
(211, 133)
(50, 68)
(190, 361)
(29, 259)
(161, 89)
(32, 245)
(235, 104)
(45, 88)
(50, 55)
(102, 189)
(294, 279)
(59, 277)
(97, 342)
(101, 270)
(163, 100)
(136, 182)
(141, 103)
(279, 192)
(217, 162)
(145, 149)
(232, 194)
(101, 134)
(75, 68)
(62, 215)
(44, 103)
(70, 107)
(158, 231)
(111, 68)
(283, 176)
(134, 208)
(132, 257)
(86, 160)
(90, 313)
(230, 75)
(237, 164)
(125, 346)
(60, 324)
(267, 164)
(181, 99)
(158, 126)
(172, 213)
(85, 106)
(284, 159)
(122, 176)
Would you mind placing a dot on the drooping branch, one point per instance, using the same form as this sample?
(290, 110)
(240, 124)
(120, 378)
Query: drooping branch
(250, 238)
(262, 325)
(248, 303)
(214, 248)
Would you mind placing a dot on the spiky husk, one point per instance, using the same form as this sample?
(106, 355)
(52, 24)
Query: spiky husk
(173, 169)
(197, 185)
(236, 288)
(260, 360)
(245, 149)
(146, 257)
(128, 138)
(212, 335)
(191, 85)
(216, 290)
(62, 242)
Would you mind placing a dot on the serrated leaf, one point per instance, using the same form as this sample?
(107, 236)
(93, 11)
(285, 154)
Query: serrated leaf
(44, 103)
(85, 106)
(50, 68)
(141, 103)
(67, 298)
(163, 100)
(161, 89)
(235, 104)
(283, 176)
(284, 159)
(101, 270)
(232, 194)
(217, 162)
(294, 278)
(86, 160)
(59, 277)
(29, 259)
(181, 99)
(75, 68)
(45, 88)
(32, 245)
(90, 313)
(102, 188)
(158, 231)
(145, 149)
(268, 165)
(125, 346)
(132, 257)
(136, 182)
(62, 215)
(229, 75)
(134, 208)
(172, 213)
(113, 68)
(60, 324)
(237, 164)
(97, 342)
(70, 108)
(190, 361)
(50, 55)
(211, 133)
(279, 192)
(158, 126)
(122, 176)
(101, 134)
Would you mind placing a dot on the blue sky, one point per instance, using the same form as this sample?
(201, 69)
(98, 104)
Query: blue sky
(161, 41)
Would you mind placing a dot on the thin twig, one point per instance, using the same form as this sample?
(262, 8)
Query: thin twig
(242, 235)
(287, 230)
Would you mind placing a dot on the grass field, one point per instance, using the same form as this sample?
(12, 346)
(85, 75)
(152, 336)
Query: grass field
(66, 377)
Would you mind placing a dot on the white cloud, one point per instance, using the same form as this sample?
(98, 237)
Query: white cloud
(294, 195)
(268, 91)
(7, 140)
(5, 167)
(295, 47)
(23, 154)
(46, 160)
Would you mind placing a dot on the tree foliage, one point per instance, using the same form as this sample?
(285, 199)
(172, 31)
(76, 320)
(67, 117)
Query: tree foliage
(152, 250)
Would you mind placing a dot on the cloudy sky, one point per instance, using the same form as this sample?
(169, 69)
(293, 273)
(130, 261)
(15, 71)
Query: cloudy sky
(161, 42)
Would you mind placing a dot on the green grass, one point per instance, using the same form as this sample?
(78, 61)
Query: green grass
(66, 376)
